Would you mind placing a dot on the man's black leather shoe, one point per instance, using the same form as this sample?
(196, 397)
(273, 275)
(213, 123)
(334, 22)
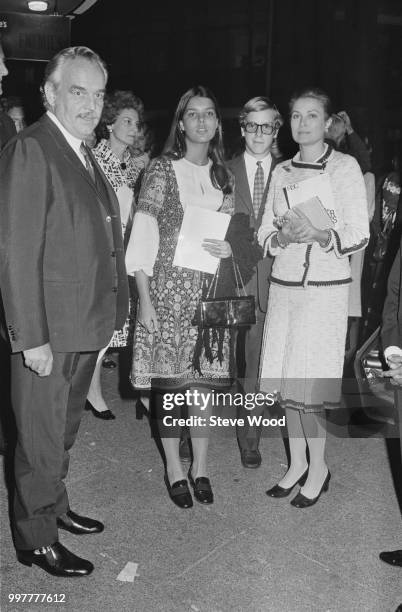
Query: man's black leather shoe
(393, 557)
(56, 560)
(250, 458)
(79, 525)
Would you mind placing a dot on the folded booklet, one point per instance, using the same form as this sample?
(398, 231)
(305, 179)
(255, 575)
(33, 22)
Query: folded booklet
(315, 212)
(314, 197)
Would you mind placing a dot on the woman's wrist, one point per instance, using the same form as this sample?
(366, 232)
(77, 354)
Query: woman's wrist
(323, 238)
(144, 301)
(281, 240)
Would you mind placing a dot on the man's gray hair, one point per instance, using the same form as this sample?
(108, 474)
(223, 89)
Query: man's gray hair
(55, 66)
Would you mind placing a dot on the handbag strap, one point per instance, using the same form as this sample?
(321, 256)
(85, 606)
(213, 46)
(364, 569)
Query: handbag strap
(238, 276)
(214, 282)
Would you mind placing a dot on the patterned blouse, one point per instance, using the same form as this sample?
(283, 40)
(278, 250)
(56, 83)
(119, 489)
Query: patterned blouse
(120, 173)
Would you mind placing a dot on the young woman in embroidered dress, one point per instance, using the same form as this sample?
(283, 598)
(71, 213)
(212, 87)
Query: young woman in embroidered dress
(170, 352)
(305, 328)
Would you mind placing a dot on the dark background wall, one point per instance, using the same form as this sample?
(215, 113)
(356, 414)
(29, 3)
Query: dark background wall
(242, 48)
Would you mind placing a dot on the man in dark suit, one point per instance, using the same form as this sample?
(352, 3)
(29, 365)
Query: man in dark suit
(259, 123)
(64, 287)
(7, 131)
(391, 335)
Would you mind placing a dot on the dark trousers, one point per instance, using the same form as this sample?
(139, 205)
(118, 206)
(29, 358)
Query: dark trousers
(249, 350)
(5, 413)
(48, 412)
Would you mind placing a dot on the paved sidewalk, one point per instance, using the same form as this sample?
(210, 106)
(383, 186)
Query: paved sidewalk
(245, 553)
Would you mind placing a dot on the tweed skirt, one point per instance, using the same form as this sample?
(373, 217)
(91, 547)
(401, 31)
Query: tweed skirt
(303, 347)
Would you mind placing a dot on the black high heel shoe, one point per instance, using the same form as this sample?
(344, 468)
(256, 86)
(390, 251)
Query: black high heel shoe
(106, 415)
(179, 493)
(278, 491)
(301, 501)
(202, 489)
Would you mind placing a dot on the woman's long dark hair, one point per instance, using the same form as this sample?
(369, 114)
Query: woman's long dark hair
(175, 146)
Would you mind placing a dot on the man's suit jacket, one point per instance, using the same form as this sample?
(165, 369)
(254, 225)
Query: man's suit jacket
(63, 277)
(7, 129)
(258, 285)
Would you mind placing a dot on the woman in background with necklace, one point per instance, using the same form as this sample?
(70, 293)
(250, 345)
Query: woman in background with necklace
(120, 129)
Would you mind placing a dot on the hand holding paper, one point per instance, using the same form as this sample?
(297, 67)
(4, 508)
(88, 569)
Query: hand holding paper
(201, 227)
(217, 248)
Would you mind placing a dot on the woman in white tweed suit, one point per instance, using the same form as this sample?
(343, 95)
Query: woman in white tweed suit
(305, 328)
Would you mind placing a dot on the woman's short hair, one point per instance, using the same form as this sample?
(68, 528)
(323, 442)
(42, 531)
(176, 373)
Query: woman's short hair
(260, 103)
(175, 146)
(316, 93)
(54, 66)
(114, 103)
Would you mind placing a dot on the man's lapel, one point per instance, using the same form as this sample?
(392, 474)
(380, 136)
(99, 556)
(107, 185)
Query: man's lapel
(72, 158)
(242, 186)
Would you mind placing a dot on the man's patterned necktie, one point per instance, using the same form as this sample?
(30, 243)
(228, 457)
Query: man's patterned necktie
(88, 163)
(258, 188)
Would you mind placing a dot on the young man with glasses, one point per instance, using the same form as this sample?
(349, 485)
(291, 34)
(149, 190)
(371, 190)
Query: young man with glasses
(259, 123)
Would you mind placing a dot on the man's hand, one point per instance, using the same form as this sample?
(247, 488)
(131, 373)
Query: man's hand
(39, 359)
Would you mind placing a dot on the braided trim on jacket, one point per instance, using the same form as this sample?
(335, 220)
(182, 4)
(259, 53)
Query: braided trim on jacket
(329, 283)
(351, 249)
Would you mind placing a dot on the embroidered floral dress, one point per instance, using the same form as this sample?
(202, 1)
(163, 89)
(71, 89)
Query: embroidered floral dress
(123, 177)
(166, 357)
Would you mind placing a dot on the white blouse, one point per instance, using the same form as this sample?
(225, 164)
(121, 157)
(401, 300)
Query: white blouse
(195, 189)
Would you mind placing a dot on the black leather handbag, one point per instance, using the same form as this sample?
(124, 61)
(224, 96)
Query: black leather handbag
(228, 311)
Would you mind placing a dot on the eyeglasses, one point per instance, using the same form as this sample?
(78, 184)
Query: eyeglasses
(266, 128)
